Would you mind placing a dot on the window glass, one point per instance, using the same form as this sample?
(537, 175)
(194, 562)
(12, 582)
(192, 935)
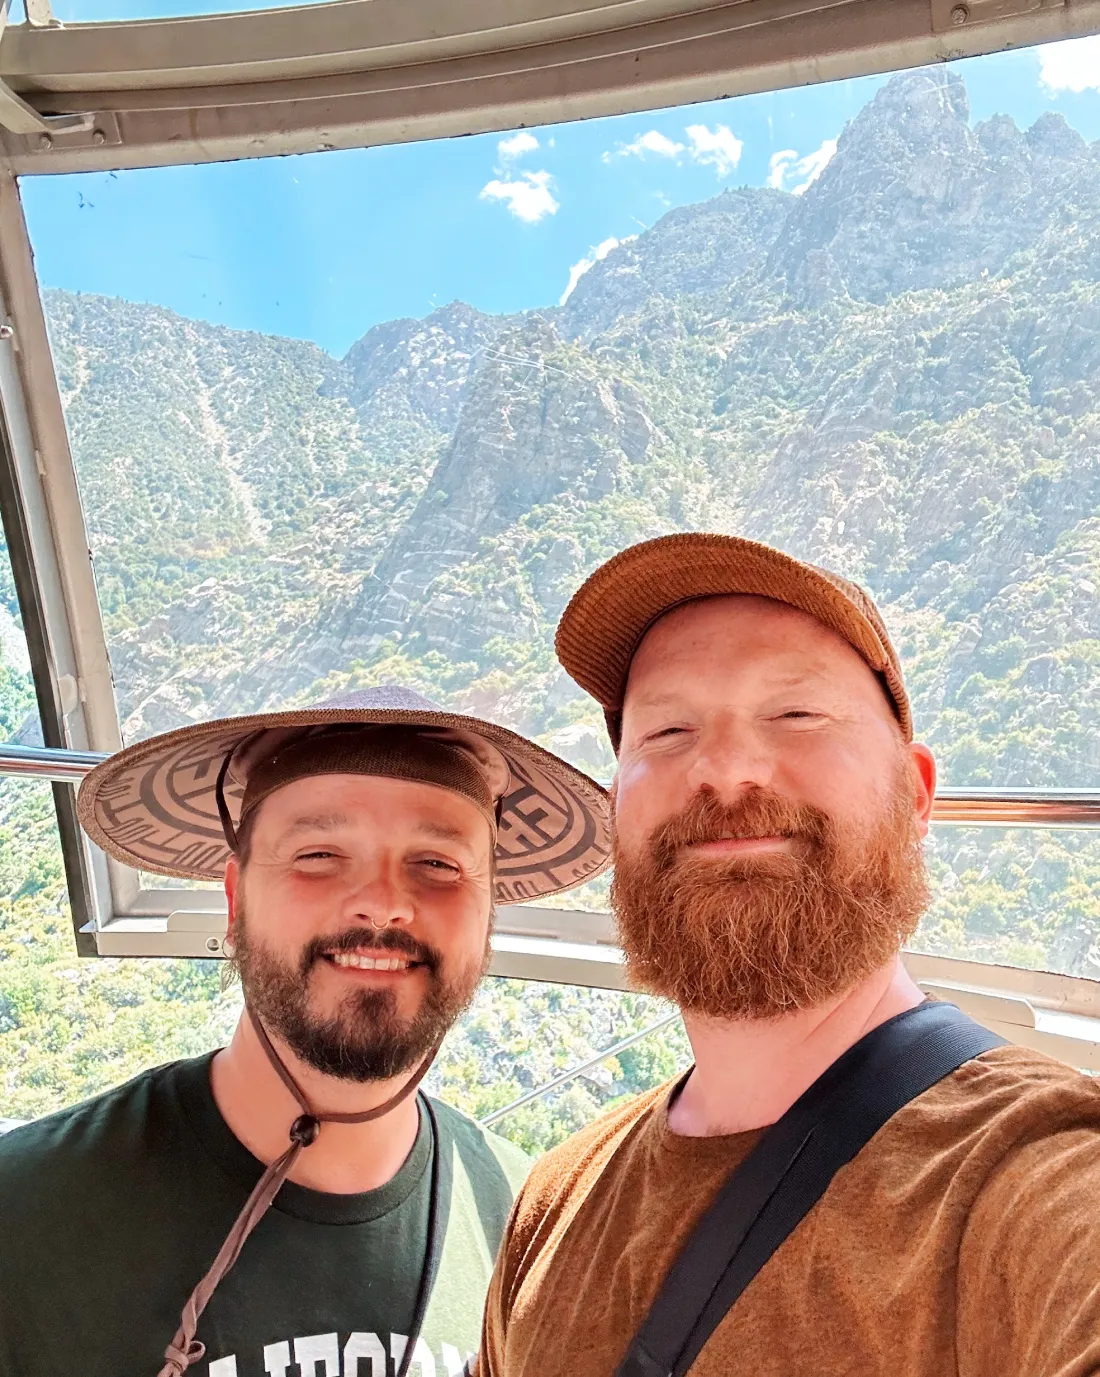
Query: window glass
(859, 320)
(1016, 897)
(521, 1035)
(371, 416)
(71, 1027)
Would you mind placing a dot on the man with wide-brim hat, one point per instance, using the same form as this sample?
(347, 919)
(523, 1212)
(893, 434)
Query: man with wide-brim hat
(850, 1179)
(292, 1205)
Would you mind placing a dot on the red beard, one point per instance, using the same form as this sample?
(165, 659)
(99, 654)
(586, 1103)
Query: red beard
(758, 936)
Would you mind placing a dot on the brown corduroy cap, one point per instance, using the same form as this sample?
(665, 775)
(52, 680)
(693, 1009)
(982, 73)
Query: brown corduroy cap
(612, 610)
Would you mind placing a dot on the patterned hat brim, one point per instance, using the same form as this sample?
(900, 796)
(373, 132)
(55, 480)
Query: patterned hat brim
(153, 806)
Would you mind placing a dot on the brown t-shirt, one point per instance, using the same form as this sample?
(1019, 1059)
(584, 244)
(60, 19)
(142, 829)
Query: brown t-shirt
(963, 1241)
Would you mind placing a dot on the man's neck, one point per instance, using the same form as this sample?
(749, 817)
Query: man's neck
(259, 1109)
(749, 1073)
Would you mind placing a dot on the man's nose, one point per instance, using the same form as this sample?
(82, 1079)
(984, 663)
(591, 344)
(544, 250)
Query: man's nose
(380, 900)
(730, 759)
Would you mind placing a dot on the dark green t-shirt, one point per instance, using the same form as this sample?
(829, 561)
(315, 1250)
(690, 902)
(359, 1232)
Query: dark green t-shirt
(111, 1211)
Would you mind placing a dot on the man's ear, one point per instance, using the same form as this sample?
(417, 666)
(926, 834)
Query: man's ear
(924, 783)
(232, 888)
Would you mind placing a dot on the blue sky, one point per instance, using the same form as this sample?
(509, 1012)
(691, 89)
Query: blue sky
(323, 246)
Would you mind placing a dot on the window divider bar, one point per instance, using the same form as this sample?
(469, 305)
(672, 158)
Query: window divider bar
(32, 612)
(991, 807)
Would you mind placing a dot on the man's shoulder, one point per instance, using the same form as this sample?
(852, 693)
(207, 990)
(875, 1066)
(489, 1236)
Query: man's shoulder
(577, 1162)
(91, 1132)
(487, 1172)
(997, 1113)
(1012, 1086)
(479, 1148)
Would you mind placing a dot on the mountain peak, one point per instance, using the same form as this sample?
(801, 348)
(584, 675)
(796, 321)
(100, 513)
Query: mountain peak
(426, 361)
(916, 198)
(928, 93)
(1052, 137)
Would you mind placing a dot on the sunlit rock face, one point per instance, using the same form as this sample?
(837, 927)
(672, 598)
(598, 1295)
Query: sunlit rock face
(692, 249)
(419, 367)
(917, 198)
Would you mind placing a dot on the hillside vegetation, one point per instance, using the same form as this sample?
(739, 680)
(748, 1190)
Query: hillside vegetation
(896, 374)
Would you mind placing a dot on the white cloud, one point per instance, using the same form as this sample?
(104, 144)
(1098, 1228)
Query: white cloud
(1071, 66)
(778, 164)
(814, 164)
(718, 147)
(515, 147)
(652, 141)
(529, 198)
(592, 257)
(787, 171)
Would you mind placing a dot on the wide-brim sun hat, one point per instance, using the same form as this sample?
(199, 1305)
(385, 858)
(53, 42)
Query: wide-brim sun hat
(154, 805)
(610, 613)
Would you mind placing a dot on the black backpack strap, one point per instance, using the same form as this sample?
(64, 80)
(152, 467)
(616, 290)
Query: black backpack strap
(788, 1171)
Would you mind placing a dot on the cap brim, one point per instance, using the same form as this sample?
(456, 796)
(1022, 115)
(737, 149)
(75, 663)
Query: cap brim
(153, 807)
(605, 621)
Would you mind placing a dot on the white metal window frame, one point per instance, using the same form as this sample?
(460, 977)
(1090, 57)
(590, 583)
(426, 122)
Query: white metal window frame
(357, 72)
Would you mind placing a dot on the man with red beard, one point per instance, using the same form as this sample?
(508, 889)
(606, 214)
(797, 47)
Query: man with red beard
(769, 807)
(290, 1204)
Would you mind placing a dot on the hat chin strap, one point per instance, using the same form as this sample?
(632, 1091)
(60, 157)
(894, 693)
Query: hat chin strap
(185, 1349)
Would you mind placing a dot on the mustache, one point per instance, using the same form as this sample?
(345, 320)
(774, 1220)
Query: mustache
(351, 939)
(758, 813)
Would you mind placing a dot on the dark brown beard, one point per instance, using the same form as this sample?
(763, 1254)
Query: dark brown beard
(756, 937)
(365, 1039)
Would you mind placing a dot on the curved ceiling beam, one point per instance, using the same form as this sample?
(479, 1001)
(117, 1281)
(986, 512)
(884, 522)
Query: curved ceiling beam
(316, 40)
(360, 72)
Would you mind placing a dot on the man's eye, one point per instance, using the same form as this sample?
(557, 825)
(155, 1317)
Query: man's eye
(665, 732)
(315, 856)
(438, 866)
(797, 714)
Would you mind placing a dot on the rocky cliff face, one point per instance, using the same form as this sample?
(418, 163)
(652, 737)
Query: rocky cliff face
(541, 423)
(693, 249)
(419, 367)
(916, 199)
(895, 374)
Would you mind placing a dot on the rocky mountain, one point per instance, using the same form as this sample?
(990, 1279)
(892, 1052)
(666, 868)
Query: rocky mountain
(699, 248)
(916, 199)
(418, 367)
(895, 374)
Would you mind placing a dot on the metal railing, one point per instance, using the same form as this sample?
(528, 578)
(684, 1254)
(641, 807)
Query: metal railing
(45, 762)
(1017, 807)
